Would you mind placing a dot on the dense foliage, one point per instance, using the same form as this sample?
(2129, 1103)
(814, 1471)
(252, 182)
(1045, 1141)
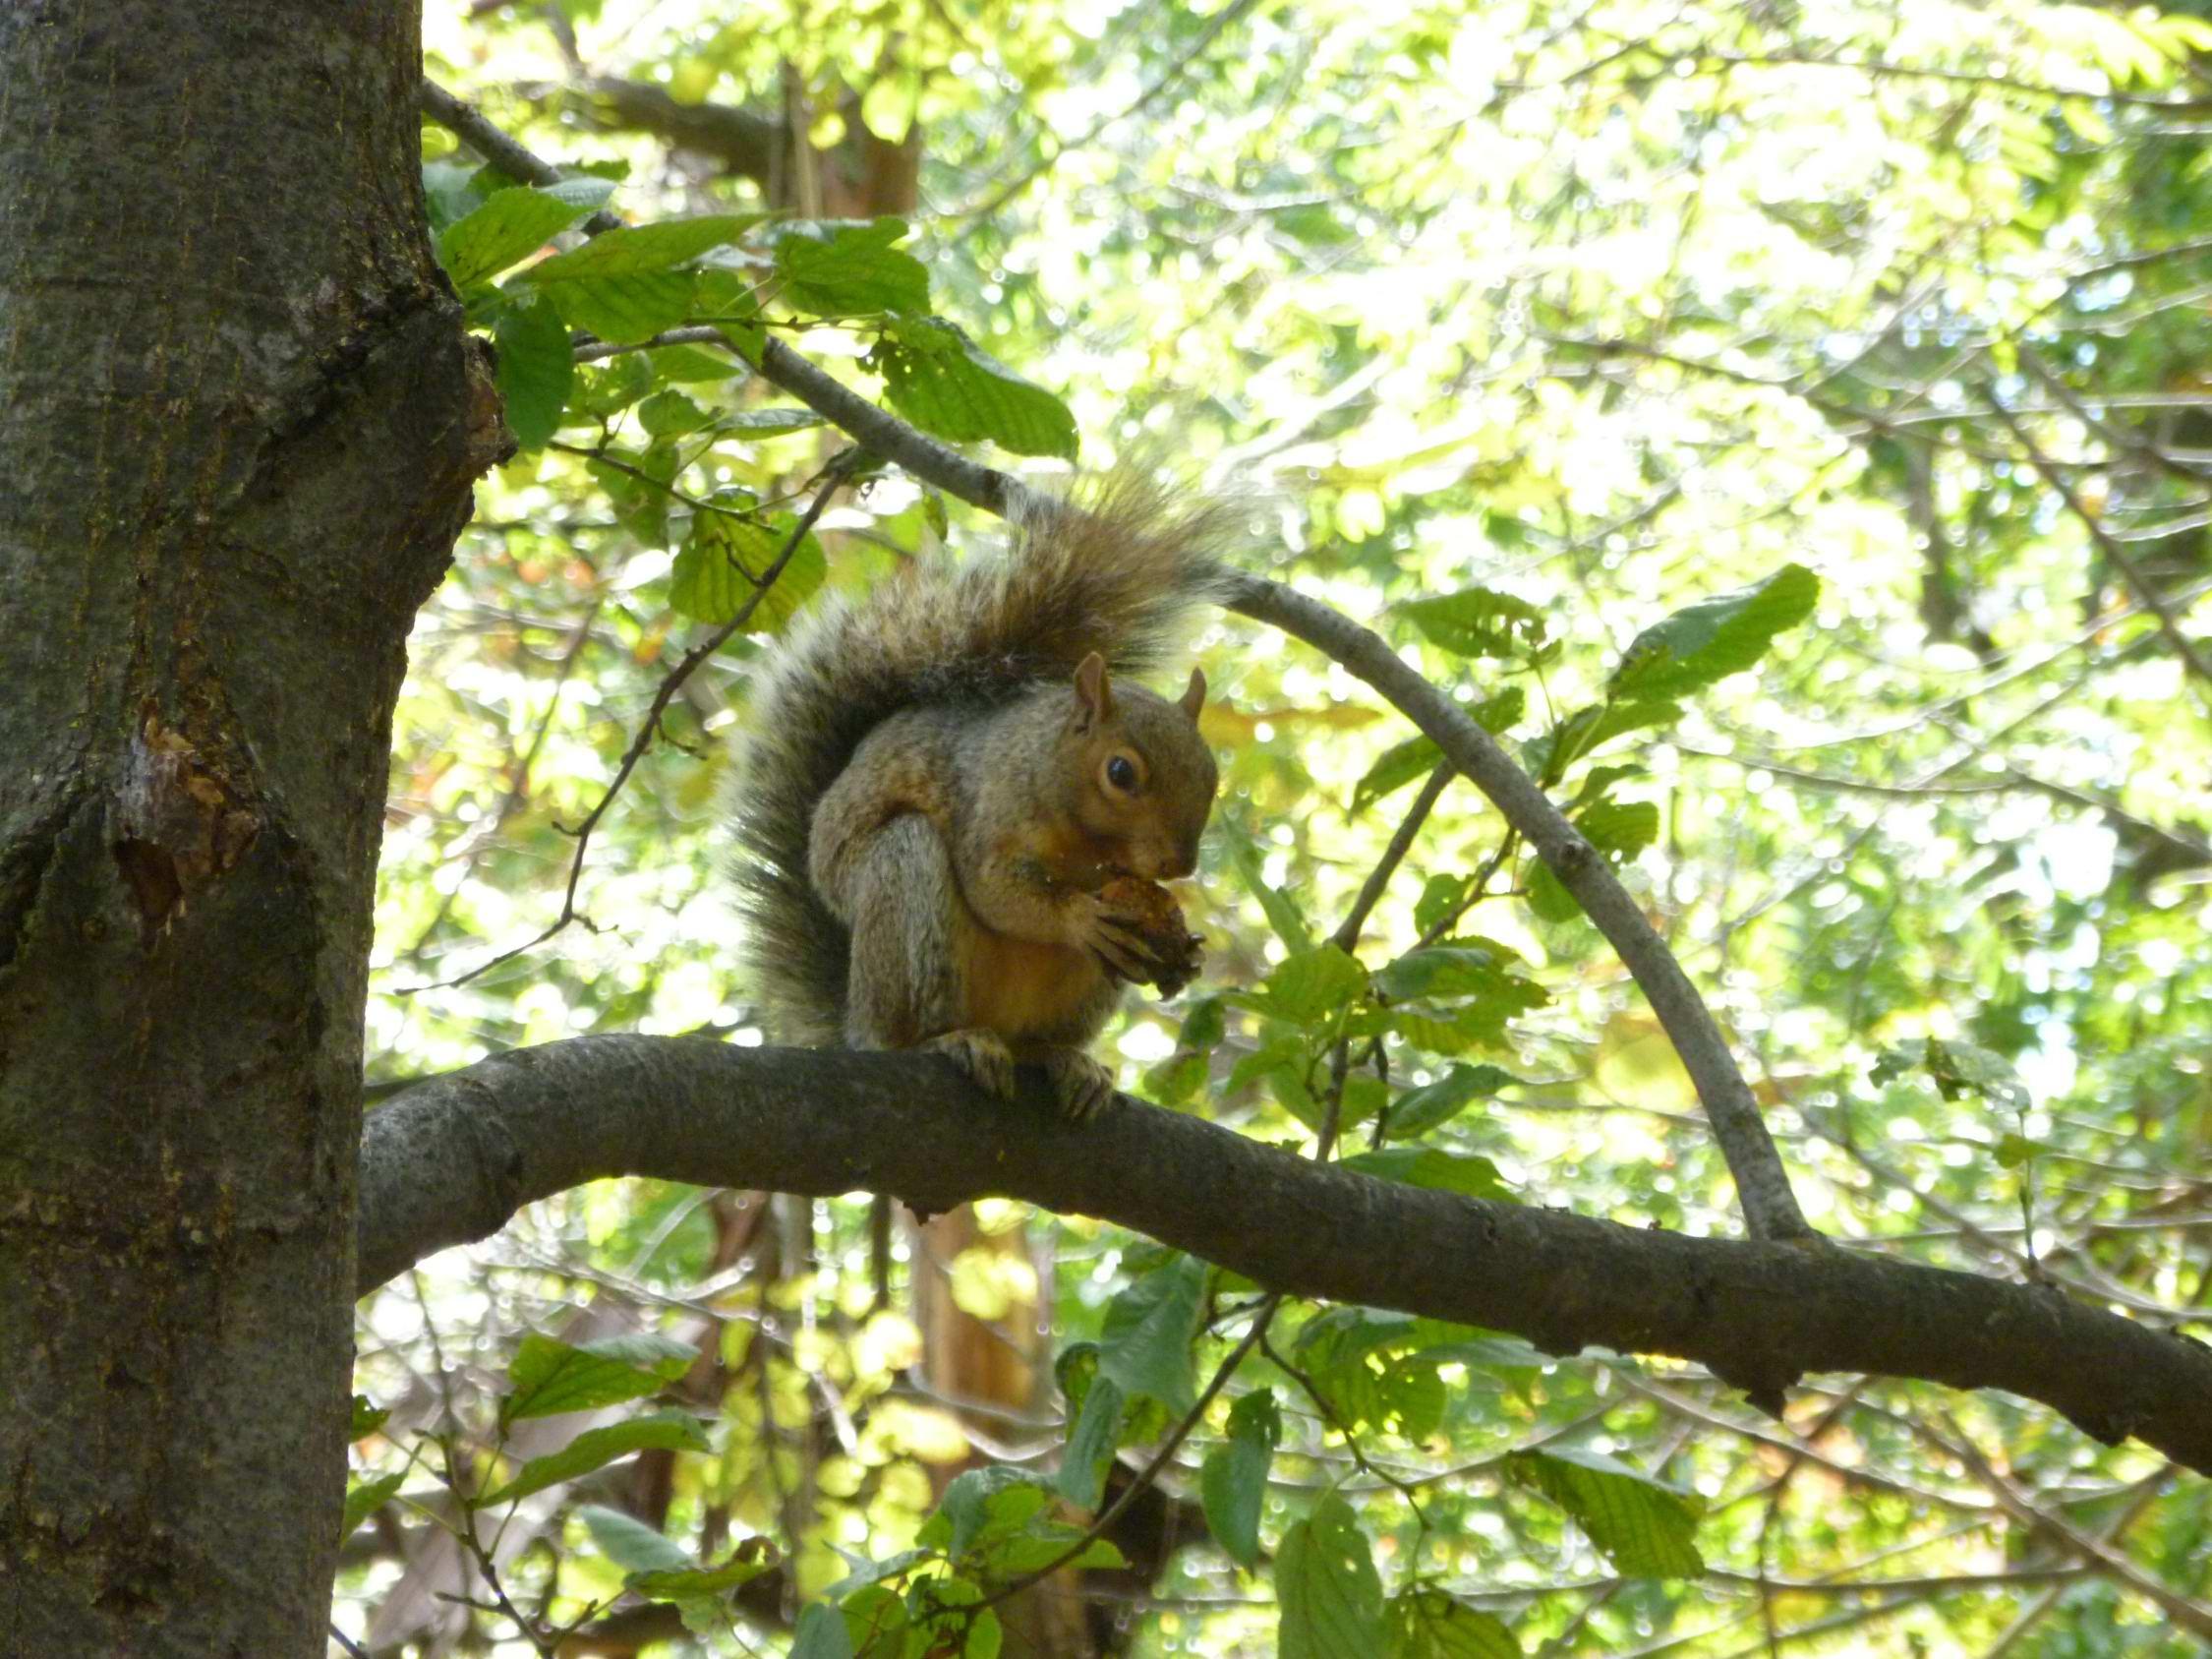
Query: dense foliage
(1785, 426)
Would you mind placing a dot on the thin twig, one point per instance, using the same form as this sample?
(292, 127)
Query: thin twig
(833, 475)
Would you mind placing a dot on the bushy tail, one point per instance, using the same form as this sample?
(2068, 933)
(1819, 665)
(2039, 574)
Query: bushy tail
(1116, 569)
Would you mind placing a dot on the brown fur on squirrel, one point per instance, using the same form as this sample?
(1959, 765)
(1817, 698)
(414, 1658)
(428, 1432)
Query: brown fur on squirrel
(941, 778)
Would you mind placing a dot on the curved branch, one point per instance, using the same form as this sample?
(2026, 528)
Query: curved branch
(450, 1160)
(1770, 1206)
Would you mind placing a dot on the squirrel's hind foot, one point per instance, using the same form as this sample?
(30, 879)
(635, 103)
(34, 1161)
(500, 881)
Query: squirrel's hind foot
(982, 1054)
(1078, 1083)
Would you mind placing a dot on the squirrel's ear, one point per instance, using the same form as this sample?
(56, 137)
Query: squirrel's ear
(1194, 694)
(1093, 690)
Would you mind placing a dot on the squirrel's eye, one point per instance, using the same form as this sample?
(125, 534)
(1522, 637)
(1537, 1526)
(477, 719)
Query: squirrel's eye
(1121, 773)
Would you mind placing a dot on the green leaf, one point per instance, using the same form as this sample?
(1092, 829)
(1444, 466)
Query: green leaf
(1091, 1443)
(1479, 621)
(1429, 1624)
(822, 1634)
(686, 365)
(1419, 1111)
(1716, 637)
(669, 1431)
(363, 1499)
(548, 1377)
(1233, 1482)
(608, 391)
(1645, 1529)
(1203, 1026)
(851, 271)
(1588, 729)
(512, 227)
(1280, 908)
(768, 423)
(1957, 1068)
(368, 1418)
(752, 1558)
(1619, 829)
(945, 383)
(1463, 968)
(671, 414)
(1392, 771)
(636, 486)
(1426, 1166)
(1310, 984)
(722, 561)
(537, 369)
(1146, 1343)
(982, 1506)
(627, 285)
(632, 1545)
(1326, 1585)
(639, 250)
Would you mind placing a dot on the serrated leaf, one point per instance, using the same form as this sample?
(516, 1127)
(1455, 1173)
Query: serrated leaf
(638, 250)
(1144, 1344)
(507, 229)
(668, 1430)
(548, 1377)
(721, 562)
(1328, 1588)
(537, 369)
(1233, 1482)
(1429, 1624)
(853, 270)
(1091, 1445)
(945, 383)
(1716, 637)
(1645, 1529)
(1428, 1167)
(363, 1499)
(1305, 987)
(1419, 1111)
(1479, 621)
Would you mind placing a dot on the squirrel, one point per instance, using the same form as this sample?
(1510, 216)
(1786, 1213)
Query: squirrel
(946, 793)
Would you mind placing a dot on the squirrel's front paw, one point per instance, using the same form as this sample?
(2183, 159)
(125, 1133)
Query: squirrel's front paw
(982, 1054)
(1116, 937)
(1078, 1083)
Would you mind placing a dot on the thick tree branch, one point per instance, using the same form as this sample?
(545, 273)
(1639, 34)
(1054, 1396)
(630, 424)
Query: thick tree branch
(450, 1160)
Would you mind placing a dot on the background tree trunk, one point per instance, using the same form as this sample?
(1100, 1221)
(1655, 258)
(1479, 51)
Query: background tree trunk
(238, 423)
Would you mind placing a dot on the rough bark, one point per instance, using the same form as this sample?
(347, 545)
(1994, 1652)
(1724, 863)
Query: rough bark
(238, 423)
(450, 1159)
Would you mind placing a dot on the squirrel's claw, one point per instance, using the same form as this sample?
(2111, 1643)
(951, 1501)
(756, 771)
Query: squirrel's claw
(982, 1054)
(1117, 942)
(1078, 1083)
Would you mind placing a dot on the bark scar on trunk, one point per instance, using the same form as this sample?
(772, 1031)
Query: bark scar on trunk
(177, 824)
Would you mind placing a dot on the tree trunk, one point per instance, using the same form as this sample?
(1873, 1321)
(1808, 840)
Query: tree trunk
(238, 423)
